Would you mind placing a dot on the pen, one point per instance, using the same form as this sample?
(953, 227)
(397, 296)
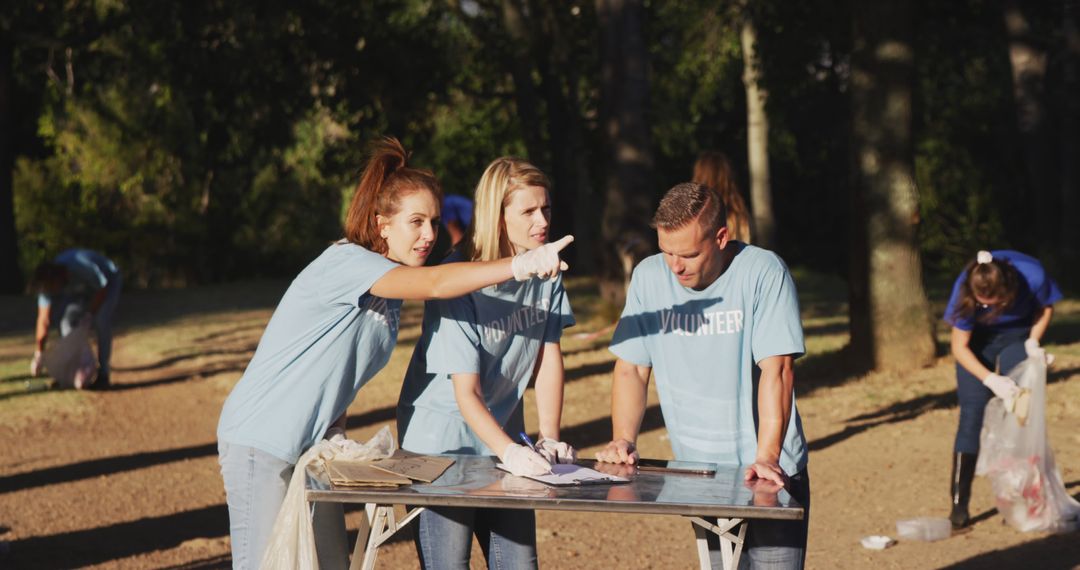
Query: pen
(528, 442)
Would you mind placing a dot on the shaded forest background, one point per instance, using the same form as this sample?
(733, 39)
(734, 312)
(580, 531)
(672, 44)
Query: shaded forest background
(197, 142)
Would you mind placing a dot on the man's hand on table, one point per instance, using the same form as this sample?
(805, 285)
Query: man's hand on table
(766, 469)
(764, 492)
(618, 451)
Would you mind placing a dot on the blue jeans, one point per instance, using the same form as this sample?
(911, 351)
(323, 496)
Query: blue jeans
(773, 544)
(507, 537)
(998, 351)
(71, 312)
(255, 487)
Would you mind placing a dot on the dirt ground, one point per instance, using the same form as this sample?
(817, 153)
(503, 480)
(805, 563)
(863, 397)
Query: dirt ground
(128, 478)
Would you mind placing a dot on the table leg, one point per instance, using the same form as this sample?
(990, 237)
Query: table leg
(731, 532)
(379, 524)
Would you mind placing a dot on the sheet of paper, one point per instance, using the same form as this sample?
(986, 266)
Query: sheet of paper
(362, 474)
(426, 468)
(568, 474)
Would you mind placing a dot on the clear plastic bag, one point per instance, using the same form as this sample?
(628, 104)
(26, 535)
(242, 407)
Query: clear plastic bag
(1016, 456)
(70, 360)
(292, 541)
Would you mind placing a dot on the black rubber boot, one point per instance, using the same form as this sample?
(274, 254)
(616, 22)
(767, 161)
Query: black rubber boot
(963, 472)
(102, 382)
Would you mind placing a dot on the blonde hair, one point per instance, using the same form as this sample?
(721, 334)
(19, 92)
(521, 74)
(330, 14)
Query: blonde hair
(713, 169)
(486, 239)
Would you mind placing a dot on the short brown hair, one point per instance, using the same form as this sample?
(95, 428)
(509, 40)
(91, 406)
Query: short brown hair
(386, 180)
(687, 202)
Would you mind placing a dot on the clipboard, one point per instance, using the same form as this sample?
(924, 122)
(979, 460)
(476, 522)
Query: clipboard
(665, 466)
(571, 475)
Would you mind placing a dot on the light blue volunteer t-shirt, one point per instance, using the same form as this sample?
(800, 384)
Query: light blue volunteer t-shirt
(703, 347)
(326, 339)
(88, 273)
(496, 332)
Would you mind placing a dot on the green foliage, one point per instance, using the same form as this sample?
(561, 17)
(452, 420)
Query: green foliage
(963, 115)
(202, 141)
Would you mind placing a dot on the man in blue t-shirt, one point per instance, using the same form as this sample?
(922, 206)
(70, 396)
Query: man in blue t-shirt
(79, 286)
(718, 322)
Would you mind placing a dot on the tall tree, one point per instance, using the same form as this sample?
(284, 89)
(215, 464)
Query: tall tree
(1028, 55)
(890, 321)
(624, 104)
(757, 136)
(1070, 149)
(10, 275)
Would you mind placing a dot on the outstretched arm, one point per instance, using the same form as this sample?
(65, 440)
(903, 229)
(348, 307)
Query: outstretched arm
(41, 332)
(452, 280)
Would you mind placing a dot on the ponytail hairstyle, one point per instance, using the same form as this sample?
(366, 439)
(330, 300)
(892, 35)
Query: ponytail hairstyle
(713, 169)
(486, 239)
(385, 181)
(988, 278)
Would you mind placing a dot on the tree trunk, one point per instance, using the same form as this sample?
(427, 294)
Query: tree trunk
(900, 335)
(10, 276)
(1070, 149)
(1028, 58)
(521, 67)
(574, 199)
(757, 140)
(624, 101)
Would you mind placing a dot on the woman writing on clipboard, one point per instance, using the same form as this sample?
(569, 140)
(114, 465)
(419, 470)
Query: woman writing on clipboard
(463, 390)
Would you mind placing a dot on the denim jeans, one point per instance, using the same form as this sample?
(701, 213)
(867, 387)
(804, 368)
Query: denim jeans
(255, 487)
(998, 351)
(778, 545)
(71, 312)
(506, 536)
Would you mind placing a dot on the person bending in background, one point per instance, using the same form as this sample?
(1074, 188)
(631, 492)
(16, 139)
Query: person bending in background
(718, 322)
(1000, 307)
(79, 286)
(456, 216)
(333, 330)
(463, 390)
(713, 169)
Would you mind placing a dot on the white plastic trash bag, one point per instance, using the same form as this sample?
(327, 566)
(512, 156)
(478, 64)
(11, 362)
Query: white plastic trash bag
(70, 360)
(292, 541)
(1015, 455)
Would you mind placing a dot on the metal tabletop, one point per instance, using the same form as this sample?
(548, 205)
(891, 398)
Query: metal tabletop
(473, 481)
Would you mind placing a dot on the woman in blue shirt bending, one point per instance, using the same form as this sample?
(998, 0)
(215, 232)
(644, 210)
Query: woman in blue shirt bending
(463, 390)
(999, 310)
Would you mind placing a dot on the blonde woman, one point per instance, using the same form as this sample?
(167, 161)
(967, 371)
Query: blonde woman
(463, 390)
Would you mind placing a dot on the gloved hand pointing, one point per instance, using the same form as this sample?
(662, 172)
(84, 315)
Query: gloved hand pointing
(543, 262)
(556, 451)
(36, 364)
(1002, 386)
(521, 460)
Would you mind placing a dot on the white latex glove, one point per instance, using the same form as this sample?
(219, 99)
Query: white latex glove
(542, 262)
(1002, 386)
(556, 451)
(36, 365)
(521, 460)
(1032, 348)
